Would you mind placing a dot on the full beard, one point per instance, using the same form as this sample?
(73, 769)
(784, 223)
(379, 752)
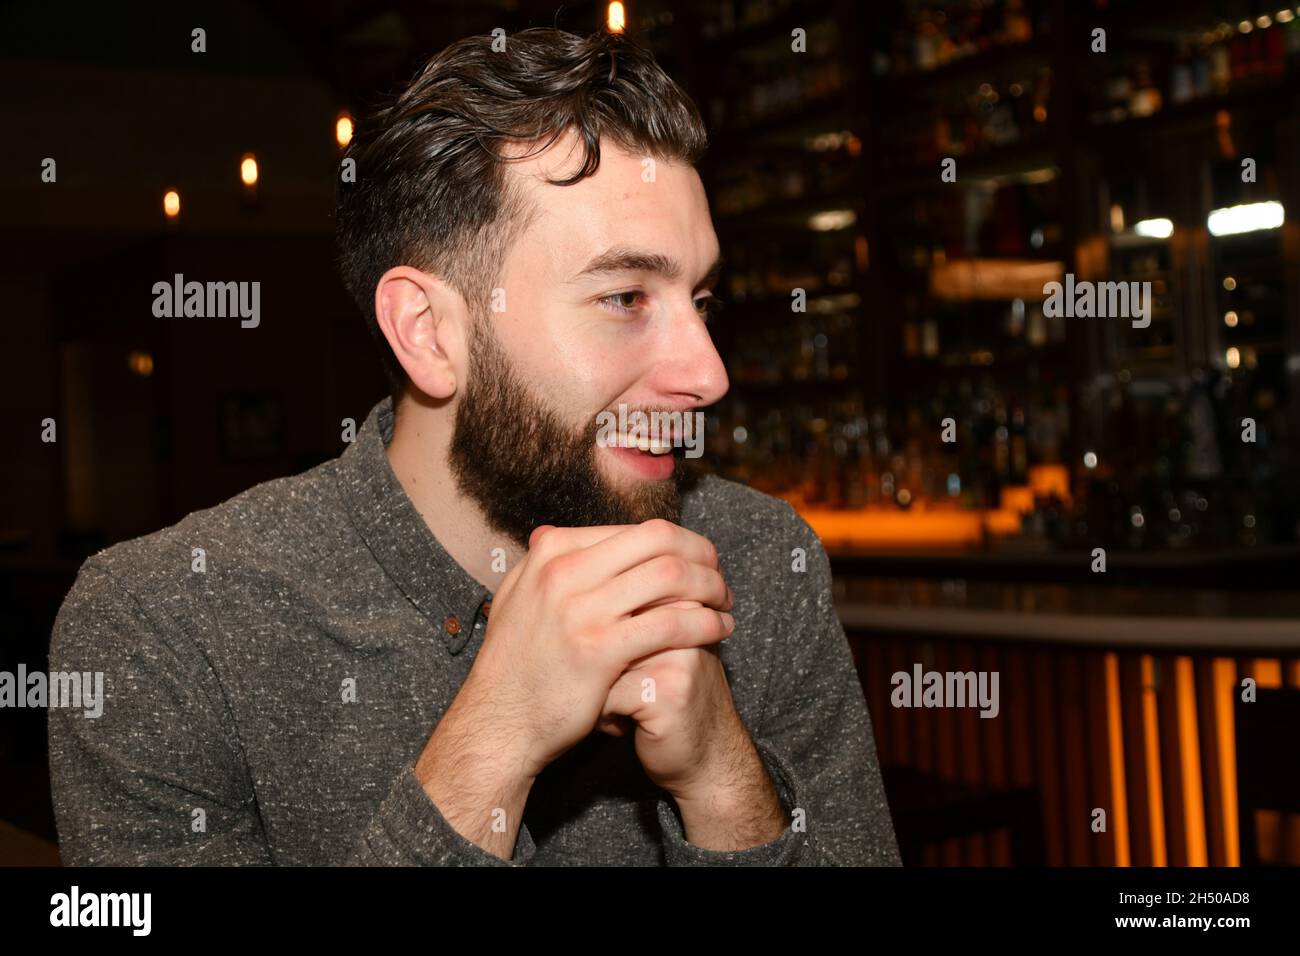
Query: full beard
(525, 467)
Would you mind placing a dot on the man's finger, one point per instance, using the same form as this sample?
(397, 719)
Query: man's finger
(663, 628)
(614, 549)
(666, 579)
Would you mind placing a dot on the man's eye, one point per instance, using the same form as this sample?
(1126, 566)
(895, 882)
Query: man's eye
(709, 306)
(622, 301)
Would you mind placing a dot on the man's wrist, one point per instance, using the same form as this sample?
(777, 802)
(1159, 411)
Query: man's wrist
(479, 784)
(736, 814)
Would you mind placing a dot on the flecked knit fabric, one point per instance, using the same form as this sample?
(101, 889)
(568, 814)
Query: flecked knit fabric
(232, 642)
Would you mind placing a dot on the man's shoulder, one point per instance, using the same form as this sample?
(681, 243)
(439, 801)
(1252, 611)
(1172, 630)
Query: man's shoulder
(277, 526)
(740, 520)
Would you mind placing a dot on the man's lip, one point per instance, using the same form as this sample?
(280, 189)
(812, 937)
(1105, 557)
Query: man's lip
(654, 467)
(671, 441)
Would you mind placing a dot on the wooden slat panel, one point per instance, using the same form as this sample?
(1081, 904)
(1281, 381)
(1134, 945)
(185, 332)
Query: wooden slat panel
(1087, 729)
(1021, 738)
(926, 733)
(1119, 818)
(902, 724)
(921, 718)
(970, 764)
(1191, 790)
(1291, 821)
(1074, 760)
(1212, 780)
(869, 652)
(993, 750)
(1155, 783)
(945, 721)
(1136, 770)
(1171, 760)
(1268, 824)
(1098, 787)
(1047, 747)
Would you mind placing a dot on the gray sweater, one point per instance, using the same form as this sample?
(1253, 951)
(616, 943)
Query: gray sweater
(273, 666)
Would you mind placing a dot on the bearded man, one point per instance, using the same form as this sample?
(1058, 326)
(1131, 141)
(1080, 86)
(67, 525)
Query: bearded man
(483, 635)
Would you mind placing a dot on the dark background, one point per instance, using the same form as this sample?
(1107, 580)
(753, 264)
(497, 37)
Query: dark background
(823, 174)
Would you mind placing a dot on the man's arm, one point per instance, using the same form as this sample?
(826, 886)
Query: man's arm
(467, 789)
(815, 742)
(160, 779)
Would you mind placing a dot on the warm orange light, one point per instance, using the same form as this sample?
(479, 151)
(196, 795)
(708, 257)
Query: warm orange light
(172, 203)
(343, 129)
(248, 170)
(967, 279)
(1225, 690)
(1115, 737)
(887, 528)
(861, 251)
(1223, 121)
(1017, 498)
(1189, 749)
(141, 363)
(1048, 480)
(1267, 672)
(616, 20)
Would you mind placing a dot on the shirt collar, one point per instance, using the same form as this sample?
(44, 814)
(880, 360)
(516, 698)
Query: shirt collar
(387, 520)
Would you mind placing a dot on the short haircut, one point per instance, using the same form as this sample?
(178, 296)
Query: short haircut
(430, 188)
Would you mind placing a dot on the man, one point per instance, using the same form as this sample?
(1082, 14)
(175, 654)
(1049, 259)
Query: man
(485, 634)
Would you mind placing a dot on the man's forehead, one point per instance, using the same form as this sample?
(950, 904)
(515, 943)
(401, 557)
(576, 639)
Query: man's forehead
(615, 208)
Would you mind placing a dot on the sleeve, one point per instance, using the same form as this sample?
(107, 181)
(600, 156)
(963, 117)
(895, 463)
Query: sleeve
(817, 743)
(409, 830)
(159, 777)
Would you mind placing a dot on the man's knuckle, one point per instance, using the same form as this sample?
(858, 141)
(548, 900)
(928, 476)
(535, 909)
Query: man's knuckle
(672, 570)
(661, 531)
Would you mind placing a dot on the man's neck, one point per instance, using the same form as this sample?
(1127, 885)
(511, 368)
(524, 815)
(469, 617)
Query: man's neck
(418, 456)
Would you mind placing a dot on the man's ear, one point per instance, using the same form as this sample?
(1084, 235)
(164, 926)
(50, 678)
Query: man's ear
(424, 320)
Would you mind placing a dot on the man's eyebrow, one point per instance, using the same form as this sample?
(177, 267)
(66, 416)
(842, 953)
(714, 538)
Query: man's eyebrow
(620, 259)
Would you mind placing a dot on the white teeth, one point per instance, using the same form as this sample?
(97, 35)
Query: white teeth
(646, 445)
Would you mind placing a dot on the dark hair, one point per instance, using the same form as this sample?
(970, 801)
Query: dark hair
(430, 189)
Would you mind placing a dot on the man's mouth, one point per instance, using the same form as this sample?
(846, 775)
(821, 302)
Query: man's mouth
(646, 458)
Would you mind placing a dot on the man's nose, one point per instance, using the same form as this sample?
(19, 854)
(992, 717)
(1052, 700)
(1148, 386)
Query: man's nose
(690, 367)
